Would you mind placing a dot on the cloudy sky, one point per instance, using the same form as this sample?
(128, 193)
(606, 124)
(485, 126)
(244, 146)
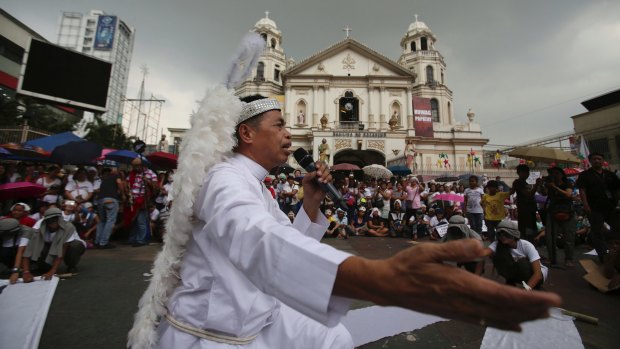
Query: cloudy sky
(522, 66)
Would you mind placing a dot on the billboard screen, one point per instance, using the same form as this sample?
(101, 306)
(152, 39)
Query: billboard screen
(64, 76)
(423, 120)
(104, 36)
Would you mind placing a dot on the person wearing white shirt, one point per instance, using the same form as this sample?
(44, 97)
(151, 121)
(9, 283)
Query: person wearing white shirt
(79, 189)
(515, 259)
(250, 277)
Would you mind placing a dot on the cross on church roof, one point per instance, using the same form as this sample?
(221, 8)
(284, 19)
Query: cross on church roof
(416, 17)
(266, 14)
(347, 30)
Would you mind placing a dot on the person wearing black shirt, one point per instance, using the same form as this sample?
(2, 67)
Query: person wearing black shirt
(526, 204)
(598, 189)
(561, 220)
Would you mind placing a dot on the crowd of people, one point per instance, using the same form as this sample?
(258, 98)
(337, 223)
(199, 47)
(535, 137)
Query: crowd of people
(554, 211)
(80, 209)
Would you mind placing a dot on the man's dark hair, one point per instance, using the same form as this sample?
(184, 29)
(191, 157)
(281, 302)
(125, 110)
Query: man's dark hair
(523, 168)
(493, 184)
(473, 177)
(591, 155)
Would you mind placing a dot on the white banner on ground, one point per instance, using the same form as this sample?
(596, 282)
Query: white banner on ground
(558, 331)
(24, 308)
(373, 323)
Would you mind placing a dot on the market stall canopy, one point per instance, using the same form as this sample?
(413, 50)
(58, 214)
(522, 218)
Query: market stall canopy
(544, 154)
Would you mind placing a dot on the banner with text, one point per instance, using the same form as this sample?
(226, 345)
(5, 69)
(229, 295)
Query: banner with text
(104, 37)
(423, 120)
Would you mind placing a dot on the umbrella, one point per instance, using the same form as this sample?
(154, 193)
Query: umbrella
(20, 190)
(4, 152)
(544, 154)
(25, 150)
(572, 171)
(400, 170)
(377, 171)
(122, 156)
(76, 152)
(445, 179)
(48, 143)
(345, 167)
(163, 159)
(449, 197)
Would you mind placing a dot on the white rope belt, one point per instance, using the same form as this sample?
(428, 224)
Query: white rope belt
(204, 334)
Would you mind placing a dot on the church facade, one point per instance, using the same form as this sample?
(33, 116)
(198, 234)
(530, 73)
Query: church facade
(351, 104)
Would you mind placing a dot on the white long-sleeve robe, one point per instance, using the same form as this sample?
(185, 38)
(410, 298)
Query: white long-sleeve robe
(248, 270)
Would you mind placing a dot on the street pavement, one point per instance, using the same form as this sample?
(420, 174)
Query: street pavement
(94, 309)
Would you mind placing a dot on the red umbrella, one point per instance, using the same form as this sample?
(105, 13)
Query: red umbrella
(163, 159)
(20, 190)
(345, 167)
(572, 171)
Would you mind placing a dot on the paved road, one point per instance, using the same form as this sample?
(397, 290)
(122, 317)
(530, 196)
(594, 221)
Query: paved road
(95, 308)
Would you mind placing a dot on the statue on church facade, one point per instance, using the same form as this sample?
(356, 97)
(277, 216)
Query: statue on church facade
(410, 155)
(324, 121)
(301, 118)
(324, 151)
(394, 121)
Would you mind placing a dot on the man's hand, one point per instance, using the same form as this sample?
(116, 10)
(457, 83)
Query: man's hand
(27, 276)
(313, 194)
(418, 279)
(49, 274)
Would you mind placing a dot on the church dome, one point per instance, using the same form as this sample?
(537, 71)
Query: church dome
(417, 25)
(266, 22)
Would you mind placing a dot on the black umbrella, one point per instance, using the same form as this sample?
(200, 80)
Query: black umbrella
(76, 152)
(444, 179)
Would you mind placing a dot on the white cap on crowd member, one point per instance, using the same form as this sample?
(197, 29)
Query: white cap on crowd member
(397, 201)
(24, 205)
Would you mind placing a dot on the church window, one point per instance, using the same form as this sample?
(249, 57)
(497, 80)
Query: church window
(276, 74)
(435, 110)
(273, 43)
(260, 71)
(429, 74)
(348, 94)
(413, 46)
(449, 110)
(442, 78)
(264, 36)
(424, 44)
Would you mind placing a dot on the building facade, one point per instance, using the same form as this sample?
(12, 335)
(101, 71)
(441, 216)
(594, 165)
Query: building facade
(600, 126)
(106, 37)
(351, 104)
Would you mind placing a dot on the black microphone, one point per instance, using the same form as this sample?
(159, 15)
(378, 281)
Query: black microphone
(306, 161)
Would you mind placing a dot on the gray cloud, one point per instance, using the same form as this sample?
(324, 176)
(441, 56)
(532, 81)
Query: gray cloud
(522, 66)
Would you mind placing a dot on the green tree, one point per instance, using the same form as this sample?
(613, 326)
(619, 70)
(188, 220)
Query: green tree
(108, 135)
(38, 115)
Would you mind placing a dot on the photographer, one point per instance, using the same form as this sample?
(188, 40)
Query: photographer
(561, 221)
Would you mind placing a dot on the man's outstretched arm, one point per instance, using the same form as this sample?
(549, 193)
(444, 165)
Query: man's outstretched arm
(417, 279)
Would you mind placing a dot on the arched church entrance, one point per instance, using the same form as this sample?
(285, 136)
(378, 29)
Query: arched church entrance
(360, 158)
(349, 111)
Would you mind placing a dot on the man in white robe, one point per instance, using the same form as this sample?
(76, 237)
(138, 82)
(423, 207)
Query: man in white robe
(249, 277)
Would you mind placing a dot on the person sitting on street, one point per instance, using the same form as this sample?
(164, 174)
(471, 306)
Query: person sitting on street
(21, 212)
(457, 230)
(396, 221)
(11, 234)
(359, 223)
(438, 220)
(54, 242)
(515, 259)
(69, 209)
(376, 226)
(86, 223)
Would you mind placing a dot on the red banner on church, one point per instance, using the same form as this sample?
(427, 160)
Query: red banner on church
(422, 116)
